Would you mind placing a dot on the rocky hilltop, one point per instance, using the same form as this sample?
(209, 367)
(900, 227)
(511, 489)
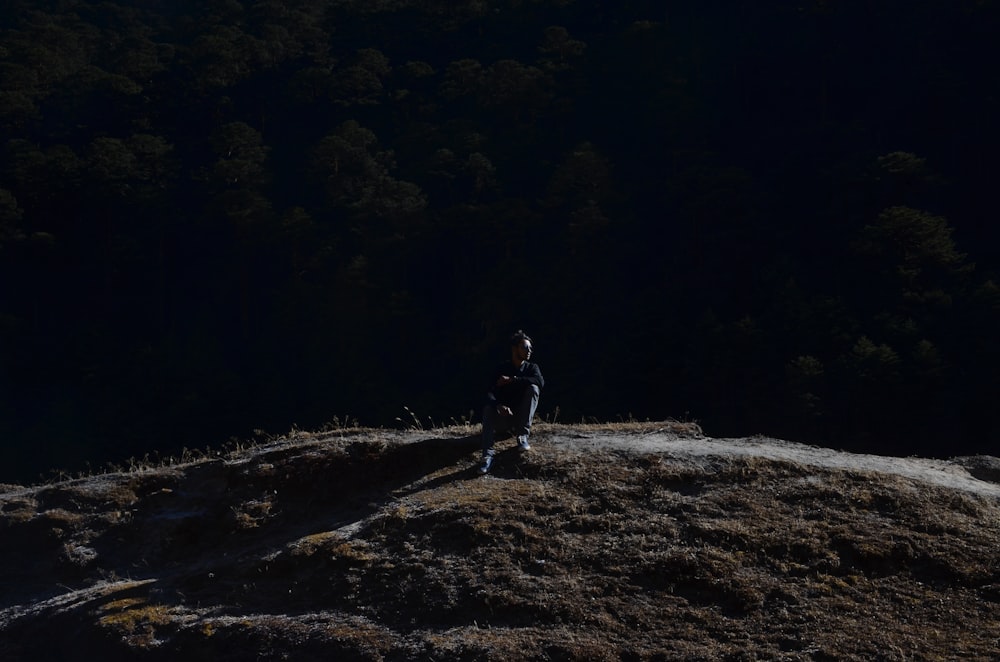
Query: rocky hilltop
(604, 542)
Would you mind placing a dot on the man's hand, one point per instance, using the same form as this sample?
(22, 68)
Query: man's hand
(504, 410)
(503, 381)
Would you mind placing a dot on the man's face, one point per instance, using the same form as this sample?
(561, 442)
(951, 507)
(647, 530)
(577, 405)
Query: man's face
(520, 351)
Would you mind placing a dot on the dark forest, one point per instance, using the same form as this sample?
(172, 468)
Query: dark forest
(222, 217)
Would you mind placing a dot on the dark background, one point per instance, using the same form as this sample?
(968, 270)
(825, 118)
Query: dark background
(218, 217)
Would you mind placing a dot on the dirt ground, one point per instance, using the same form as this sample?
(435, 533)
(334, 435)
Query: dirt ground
(604, 542)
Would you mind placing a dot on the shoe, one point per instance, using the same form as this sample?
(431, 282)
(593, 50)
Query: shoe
(522, 443)
(484, 468)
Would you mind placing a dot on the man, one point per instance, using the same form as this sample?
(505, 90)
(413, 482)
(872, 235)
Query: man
(512, 398)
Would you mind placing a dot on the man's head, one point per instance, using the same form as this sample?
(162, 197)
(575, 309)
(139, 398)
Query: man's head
(520, 347)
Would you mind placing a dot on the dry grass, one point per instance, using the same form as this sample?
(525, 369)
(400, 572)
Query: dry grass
(388, 546)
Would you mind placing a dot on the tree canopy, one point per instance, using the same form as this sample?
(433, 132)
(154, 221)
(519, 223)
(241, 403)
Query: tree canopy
(224, 216)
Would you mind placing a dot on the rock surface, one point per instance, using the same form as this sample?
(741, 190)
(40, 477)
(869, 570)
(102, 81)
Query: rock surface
(605, 542)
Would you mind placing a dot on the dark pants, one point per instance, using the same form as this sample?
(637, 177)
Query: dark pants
(519, 423)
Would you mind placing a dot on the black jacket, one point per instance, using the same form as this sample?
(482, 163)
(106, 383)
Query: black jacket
(510, 394)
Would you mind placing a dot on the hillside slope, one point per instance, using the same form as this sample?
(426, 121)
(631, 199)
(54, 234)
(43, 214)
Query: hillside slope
(637, 542)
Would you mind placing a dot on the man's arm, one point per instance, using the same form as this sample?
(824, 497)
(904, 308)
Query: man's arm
(491, 392)
(500, 379)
